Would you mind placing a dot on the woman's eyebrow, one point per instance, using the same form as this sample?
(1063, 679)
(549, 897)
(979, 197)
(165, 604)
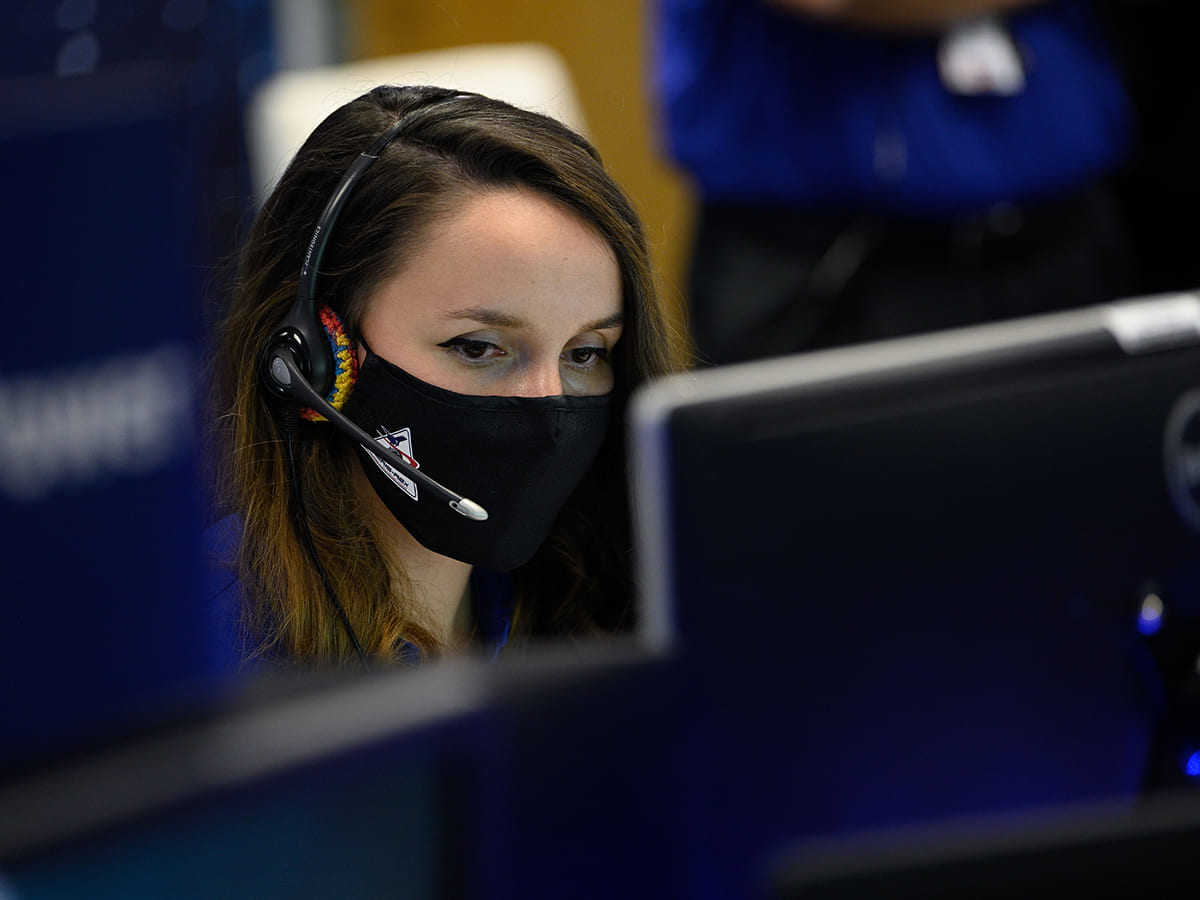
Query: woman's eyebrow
(488, 316)
(499, 319)
(616, 320)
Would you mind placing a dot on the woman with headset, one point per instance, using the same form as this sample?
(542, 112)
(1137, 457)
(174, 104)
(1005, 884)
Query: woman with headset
(438, 319)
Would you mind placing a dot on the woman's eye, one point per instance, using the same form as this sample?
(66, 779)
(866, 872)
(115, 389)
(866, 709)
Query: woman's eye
(587, 357)
(471, 350)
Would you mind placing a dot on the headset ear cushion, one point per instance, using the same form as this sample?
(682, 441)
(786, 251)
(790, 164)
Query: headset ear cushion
(345, 363)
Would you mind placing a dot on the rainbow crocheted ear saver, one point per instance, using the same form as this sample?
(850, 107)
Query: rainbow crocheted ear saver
(345, 363)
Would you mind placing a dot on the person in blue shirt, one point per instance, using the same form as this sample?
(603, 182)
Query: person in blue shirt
(870, 168)
(480, 290)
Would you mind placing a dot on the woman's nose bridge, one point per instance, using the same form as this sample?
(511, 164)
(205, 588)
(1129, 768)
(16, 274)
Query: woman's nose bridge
(544, 379)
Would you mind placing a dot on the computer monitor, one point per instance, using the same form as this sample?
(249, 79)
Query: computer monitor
(307, 786)
(543, 774)
(913, 579)
(1095, 852)
(122, 124)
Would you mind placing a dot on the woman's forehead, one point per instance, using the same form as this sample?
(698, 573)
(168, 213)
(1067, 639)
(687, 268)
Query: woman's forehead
(510, 254)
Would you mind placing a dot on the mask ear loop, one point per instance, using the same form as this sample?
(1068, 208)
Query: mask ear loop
(345, 364)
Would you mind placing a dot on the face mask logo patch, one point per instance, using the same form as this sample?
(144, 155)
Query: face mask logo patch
(401, 442)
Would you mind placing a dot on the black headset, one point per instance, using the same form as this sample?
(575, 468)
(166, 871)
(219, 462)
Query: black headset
(298, 360)
(297, 365)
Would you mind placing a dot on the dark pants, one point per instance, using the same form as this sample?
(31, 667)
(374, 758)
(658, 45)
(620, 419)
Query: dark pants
(765, 281)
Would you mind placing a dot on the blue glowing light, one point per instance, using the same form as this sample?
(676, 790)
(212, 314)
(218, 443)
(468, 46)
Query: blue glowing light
(1192, 766)
(1149, 624)
(1150, 616)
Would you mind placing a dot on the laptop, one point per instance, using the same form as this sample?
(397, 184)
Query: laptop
(943, 575)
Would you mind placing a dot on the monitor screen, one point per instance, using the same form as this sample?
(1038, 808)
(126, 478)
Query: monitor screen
(906, 578)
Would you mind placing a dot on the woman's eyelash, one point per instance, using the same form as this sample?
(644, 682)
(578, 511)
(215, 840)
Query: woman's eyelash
(476, 350)
(468, 346)
(600, 353)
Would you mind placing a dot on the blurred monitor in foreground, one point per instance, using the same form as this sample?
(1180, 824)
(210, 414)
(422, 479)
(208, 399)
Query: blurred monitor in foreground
(316, 787)
(124, 184)
(1099, 853)
(512, 779)
(934, 576)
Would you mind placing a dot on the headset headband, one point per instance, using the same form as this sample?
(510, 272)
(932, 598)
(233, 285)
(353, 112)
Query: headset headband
(320, 239)
(301, 334)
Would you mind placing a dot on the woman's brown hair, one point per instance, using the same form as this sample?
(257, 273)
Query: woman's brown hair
(580, 580)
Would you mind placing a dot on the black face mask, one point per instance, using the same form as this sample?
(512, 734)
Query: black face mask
(518, 457)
